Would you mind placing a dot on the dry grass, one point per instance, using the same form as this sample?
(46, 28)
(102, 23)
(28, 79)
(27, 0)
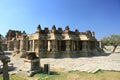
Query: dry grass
(77, 75)
(61, 74)
(15, 77)
(101, 75)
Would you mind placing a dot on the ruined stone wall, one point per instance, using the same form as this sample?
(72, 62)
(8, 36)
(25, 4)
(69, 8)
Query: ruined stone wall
(59, 43)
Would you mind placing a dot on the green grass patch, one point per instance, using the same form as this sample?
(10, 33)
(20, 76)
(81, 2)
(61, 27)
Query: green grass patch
(77, 75)
(70, 75)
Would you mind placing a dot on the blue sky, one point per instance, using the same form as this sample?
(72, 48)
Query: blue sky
(100, 16)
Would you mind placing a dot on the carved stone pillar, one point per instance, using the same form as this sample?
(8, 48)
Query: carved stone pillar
(49, 45)
(42, 43)
(21, 45)
(68, 45)
(77, 45)
(72, 45)
(8, 46)
(33, 48)
(95, 44)
(54, 45)
(30, 45)
(59, 45)
(15, 45)
(84, 44)
(45, 45)
(27, 44)
(41, 46)
(89, 46)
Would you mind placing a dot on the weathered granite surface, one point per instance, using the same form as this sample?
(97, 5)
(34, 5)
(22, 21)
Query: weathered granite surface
(88, 64)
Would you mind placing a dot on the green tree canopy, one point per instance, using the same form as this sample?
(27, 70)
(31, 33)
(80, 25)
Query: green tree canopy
(113, 39)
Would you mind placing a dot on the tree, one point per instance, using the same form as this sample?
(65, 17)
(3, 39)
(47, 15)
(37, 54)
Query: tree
(113, 39)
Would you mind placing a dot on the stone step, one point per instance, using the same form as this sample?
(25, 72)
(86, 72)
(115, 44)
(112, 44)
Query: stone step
(86, 69)
(93, 70)
(90, 70)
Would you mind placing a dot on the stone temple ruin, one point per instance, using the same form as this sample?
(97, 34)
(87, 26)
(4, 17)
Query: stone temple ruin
(54, 43)
(27, 49)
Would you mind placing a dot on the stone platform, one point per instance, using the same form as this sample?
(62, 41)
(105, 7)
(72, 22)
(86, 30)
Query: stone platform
(87, 64)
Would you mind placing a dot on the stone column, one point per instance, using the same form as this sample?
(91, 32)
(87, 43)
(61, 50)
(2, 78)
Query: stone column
(49, 45)
(30, 49)
(95, 47)
(59, 45)
(88, 43)
(54, 45)
(84, 44)
(72, 45)
(68, 45)
(46, 45)
(41, 46)
(27, 45)
(21, 45)
(16, 45)
(33, 48)
(8, 46)
(77, 45)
